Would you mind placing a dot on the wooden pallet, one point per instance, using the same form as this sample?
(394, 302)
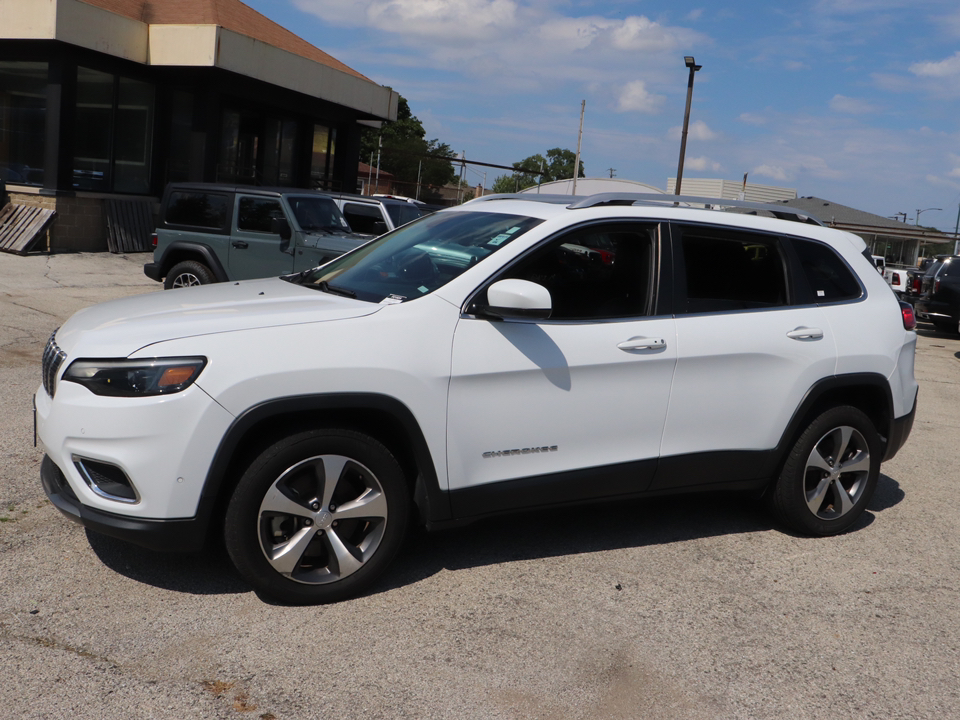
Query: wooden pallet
(129, 225)
(21, 226)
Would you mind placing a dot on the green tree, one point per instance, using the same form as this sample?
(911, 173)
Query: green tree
(405, 147)
(557, 165)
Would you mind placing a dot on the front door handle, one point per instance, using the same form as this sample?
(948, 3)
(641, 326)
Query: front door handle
(642, 343)
(240, 244)
(805, 333)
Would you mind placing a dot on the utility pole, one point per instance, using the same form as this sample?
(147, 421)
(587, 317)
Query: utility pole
(612, 171)
(576, 163)
(379, 147)
(690, 63)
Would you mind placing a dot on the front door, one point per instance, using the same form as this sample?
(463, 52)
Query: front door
(533, 403)
(254, 250)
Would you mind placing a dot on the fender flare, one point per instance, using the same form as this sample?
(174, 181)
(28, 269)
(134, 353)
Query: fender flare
(432, 502)
(210, 258)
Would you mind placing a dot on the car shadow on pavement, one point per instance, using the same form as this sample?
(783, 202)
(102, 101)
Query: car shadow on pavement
(202, 573)
(532, 535)
(928, 330)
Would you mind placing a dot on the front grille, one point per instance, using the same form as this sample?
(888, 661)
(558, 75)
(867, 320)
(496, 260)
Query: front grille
(53, 358)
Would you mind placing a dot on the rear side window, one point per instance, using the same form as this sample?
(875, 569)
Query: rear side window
(732, 272)
(197, 209)
(829, 277)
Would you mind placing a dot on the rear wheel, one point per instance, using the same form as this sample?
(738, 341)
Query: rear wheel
(830, 474)
(188, 273)
(318, 516)
(945, 325)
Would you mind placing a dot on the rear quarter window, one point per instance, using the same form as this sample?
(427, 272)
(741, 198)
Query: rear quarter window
(197, 209)
(828, 276)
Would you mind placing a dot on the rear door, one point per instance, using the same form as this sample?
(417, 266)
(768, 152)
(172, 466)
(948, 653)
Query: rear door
(747, 353)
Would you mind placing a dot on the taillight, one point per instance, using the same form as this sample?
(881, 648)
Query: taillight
(936, 286)
(895, 279)
(909, 319)
(153, 239)
(916, 284)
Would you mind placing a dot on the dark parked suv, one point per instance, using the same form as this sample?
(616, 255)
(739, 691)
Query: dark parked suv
(939, 300)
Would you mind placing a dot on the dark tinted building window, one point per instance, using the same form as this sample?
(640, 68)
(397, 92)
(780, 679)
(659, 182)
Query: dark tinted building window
(828, 275)
(23, 112)
(256, 214)
(596, 272)
(732, 272)
(197, 209)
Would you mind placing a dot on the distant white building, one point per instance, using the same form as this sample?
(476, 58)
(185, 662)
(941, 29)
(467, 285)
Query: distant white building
(730, 190)
(592, 186)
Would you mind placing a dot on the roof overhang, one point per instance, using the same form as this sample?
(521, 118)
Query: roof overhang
(907, 232)
(94, 28)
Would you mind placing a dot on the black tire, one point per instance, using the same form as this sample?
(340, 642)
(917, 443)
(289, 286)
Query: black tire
(813, 483)
(301, 540)
(188, 273)
(948, 326)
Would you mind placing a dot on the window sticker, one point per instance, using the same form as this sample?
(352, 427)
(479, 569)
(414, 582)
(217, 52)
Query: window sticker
(392, 300)
(423, 288)
(820, 293)
(499, 239)
(512, 230)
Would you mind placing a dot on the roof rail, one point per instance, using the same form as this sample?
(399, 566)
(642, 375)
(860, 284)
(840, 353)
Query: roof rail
(784, 212)
(576, 202)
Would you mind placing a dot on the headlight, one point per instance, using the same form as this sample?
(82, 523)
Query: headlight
(135, 378)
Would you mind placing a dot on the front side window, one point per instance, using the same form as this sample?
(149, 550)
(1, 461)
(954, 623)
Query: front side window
(731, 271)
(601, 271)
(257, 214)
(418, 258)
(365, 219)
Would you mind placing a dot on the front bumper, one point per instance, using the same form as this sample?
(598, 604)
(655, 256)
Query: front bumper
(181, 535)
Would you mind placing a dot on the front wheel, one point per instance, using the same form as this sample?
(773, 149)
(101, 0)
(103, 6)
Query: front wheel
(318, 516)
(830, 473)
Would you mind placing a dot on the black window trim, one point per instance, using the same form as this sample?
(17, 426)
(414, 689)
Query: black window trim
(660, 270)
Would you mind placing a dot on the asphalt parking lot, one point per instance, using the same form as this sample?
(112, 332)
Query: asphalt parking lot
(670, 608)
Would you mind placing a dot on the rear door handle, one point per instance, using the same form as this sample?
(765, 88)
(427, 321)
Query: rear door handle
(805, 333)
(642, 343)
(240, 244)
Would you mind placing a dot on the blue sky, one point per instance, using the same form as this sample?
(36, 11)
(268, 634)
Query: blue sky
(856, 101)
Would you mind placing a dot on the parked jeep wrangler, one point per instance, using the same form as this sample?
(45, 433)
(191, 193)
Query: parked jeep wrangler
(213, 233)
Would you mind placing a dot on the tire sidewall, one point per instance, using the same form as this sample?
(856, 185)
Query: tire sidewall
(788, 498)
(241, 524)
(192, 267)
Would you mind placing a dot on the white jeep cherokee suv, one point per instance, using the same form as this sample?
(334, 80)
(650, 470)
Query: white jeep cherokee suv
(450, 370)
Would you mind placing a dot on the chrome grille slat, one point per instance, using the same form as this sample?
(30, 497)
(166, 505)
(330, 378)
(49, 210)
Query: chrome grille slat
(53, 358)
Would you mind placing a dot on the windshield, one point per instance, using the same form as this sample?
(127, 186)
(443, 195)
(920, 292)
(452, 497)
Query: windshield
(317, 214)
(402, 213)
(418, 258)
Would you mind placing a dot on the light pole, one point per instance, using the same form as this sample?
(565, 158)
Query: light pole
(690, 63)
(917, 221)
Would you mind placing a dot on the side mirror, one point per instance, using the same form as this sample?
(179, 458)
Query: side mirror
(281, 227)
(514, 298)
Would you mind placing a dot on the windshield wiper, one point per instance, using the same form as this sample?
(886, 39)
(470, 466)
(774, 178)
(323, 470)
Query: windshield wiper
(334, 290)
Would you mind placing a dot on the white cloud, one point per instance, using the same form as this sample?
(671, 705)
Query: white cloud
(639, 33)
(944, 68)
(752, 119)
(795, 65)
(702, 164)
(851, 106)
(695, 14)
(771, 171)
(636, 98)
(698, 130)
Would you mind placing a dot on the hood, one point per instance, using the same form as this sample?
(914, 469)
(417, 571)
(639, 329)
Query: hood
(120, 327)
